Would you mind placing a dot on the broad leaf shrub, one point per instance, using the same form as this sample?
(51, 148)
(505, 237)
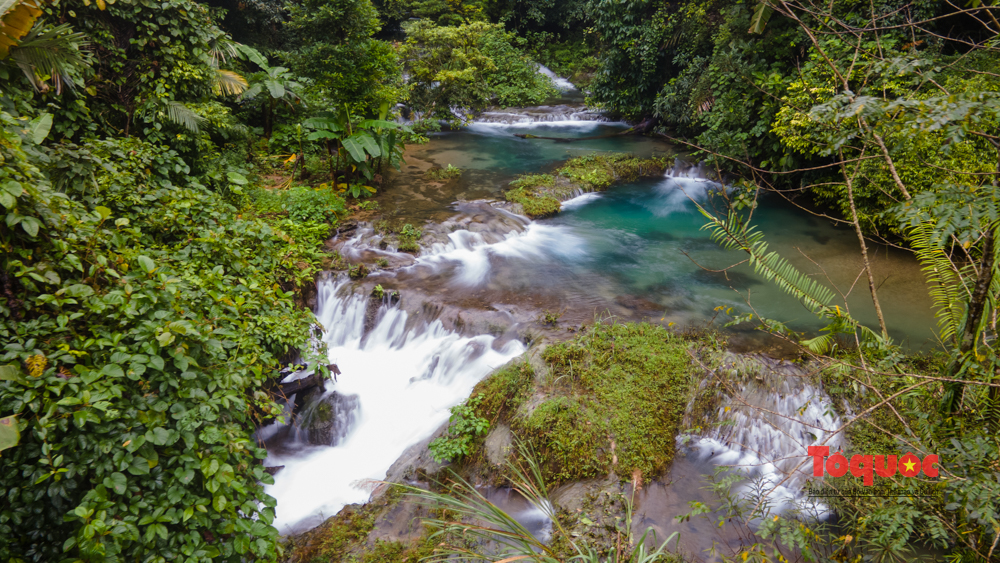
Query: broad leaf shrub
(142, 315)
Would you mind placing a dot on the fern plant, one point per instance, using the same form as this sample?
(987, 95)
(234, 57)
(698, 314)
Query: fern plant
(734, 233)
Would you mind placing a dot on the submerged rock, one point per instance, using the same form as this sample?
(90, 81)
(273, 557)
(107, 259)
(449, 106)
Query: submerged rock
(327, 421)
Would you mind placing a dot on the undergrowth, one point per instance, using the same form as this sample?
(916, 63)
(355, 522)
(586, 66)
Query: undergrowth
(614, 399)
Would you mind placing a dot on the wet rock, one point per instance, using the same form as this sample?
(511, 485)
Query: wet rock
(327, 421)
(416, 463)
(498, 444)
(347, 228)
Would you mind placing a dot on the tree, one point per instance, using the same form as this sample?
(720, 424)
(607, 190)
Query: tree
(280, 86)
(468, 67)
(334, 46)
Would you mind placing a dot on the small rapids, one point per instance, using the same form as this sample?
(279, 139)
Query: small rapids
(766, 429)
(558, 114)
(560, 83)
(403, 376)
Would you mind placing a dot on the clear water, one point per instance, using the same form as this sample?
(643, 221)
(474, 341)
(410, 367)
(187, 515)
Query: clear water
(630, 252)
(638, 250)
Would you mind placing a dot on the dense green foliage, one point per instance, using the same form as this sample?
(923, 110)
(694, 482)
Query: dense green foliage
(142, 316)
(166, 191)
(463, 429)
(468, 66)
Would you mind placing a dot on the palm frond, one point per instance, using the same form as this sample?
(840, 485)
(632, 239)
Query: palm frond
(182, 115)
(221, 49)
(228, 83)
(55, 53)
(16, 19)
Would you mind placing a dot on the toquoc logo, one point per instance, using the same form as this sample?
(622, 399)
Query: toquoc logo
(867, 466)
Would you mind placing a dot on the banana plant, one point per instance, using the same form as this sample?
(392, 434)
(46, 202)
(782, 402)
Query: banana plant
(365, 148)
(280, 85)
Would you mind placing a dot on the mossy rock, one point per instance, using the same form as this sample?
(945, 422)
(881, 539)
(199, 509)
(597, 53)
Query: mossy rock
(540, 195)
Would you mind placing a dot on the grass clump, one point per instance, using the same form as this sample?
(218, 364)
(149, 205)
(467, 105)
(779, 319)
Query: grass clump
(444, 173)
(617, 395)
(534, 205)
(408, 237)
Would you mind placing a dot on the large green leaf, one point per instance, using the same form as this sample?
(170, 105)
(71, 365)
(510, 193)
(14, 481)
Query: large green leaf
(40, 127)
(11, 372)
(10, 435)
(275, 88)
(379, 124)
(368, 143)
(760, 17)
(354, 148)
(253, 55)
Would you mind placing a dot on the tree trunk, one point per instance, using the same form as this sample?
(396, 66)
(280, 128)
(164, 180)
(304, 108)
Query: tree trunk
(268, 114)
(970, 329)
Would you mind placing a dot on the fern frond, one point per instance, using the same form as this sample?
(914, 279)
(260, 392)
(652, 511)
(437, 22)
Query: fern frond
(948, 291)
(184, 116)
(733, 234)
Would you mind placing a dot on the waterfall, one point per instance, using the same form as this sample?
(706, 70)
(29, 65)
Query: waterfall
(560, 83)
(554, 115)
(768, 436)
(397, 384)
(688, 171)
(472, 255)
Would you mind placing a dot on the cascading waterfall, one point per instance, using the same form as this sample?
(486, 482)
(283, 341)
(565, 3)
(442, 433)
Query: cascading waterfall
(558, 114)
(472, 253)
(560, 83)
(767, 432)
(404, 379)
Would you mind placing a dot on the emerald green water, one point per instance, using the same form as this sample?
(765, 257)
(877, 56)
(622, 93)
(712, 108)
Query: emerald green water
(637, 251)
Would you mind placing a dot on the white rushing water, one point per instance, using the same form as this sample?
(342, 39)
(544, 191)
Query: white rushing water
(766, 433)
(472, 255)
(405, 382)
(560, 83)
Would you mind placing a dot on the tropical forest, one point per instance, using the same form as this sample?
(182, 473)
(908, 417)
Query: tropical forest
(551, 281)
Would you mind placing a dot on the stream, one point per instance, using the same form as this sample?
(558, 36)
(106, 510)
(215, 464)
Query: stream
(484, 277)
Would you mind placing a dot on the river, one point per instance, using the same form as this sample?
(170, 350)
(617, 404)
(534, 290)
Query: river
(484, 277)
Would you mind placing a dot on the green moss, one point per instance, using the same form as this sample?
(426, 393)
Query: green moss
(618, 392)
(534, 181)
(348, 528)
(540, 194)
(504, 392)
(570, 435)
(535, 206)
(597, 172)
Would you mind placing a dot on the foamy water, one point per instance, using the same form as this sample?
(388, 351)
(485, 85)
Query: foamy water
(405, 381)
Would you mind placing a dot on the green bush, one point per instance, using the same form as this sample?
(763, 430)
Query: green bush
(465, 427)
(300, 203)
(143, 316)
